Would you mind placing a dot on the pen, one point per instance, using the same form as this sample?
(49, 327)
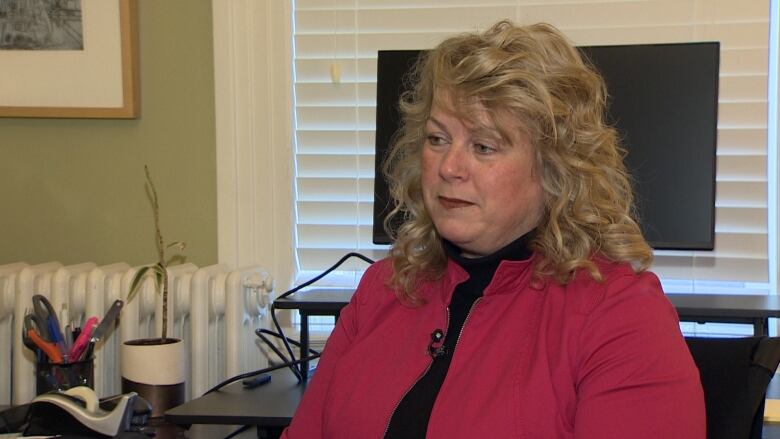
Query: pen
(68, 337)
(56, 336)
(64, 317)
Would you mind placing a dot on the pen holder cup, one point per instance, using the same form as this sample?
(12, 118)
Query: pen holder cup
(52, 376)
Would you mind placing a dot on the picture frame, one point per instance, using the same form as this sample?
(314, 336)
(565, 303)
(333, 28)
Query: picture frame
(101, 80)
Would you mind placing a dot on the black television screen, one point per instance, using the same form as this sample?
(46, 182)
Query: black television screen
(663, 99)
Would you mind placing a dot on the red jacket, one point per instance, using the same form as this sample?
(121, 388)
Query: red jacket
(583, 360)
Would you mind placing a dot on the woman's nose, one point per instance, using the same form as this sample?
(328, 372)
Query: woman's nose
(454, 163)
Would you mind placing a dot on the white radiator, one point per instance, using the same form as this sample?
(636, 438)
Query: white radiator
(214, 310)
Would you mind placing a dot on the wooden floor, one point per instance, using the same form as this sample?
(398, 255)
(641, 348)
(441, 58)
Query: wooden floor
(772, 430)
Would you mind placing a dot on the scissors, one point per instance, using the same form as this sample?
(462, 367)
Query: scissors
(31, 321)
(51, 324)
(50, 349)
(32, 338)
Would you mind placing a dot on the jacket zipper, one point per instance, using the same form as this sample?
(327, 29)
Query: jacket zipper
(430, 363)
(419, 377)
(466, 320)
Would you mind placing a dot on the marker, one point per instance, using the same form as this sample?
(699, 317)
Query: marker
(81, 342)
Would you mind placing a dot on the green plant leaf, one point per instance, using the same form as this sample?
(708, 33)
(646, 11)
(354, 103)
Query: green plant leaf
(136, 282)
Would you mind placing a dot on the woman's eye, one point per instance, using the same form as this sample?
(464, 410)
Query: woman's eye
(436, 140)
(481, 148)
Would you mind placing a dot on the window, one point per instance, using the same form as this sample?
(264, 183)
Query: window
(335, 44)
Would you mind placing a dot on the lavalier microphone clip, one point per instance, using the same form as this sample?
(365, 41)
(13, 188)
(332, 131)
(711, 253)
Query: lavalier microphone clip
(436, 347)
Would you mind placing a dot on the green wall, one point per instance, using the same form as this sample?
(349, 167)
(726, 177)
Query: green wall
(72, 190)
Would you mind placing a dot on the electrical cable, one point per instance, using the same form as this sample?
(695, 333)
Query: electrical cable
(238, 431)
(272, 346)
(293, 341)
(292, 362)
(261, 331)
(258, 372)
(298, 288)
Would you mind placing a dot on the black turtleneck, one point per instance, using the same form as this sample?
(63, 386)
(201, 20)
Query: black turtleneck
(410, 419)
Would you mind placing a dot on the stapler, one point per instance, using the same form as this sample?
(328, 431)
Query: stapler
(77, 411)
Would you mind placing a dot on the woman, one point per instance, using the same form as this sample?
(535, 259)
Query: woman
(515, 301)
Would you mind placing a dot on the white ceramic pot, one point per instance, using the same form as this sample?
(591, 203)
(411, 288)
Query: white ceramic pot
(155, 371)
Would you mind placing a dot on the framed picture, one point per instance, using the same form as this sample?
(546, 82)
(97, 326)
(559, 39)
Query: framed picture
(69, 58)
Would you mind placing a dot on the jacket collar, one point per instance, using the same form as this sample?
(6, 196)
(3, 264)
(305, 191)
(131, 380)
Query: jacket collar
(511, 277)
(515, 268)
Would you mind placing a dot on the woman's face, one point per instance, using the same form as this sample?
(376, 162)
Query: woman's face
(482, 192)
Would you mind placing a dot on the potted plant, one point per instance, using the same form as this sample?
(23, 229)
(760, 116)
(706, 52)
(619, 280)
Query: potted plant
(155, 367)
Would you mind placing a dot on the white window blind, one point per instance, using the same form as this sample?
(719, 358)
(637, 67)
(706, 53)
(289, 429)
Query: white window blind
(335, 118)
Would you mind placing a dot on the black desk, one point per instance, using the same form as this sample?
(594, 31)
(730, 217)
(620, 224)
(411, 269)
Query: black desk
(274, 404)
(270, 405)
(315, 302)
(754, 309)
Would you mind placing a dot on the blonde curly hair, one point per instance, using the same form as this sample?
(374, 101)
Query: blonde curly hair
(534, 74)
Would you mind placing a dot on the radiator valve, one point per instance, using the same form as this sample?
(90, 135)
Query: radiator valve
(261, 286)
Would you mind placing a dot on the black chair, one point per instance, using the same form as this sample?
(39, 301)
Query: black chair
(735, 373)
